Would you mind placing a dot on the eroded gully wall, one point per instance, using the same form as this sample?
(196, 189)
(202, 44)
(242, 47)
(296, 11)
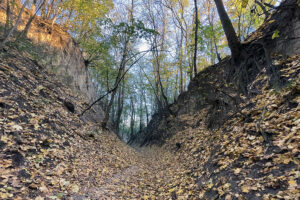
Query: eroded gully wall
(56, 49)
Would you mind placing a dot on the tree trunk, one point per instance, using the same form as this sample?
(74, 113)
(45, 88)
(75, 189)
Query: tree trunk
(121, 69)
(158, 62)
(141, 114)
(119, 108)
(212, 53)
(217, 52)
(211, 23)
(14, 27)
(120, 72)
(113, 112)
(146, 108)
(233, 41)
(176, 85)
(8, 12)
(196, 37)
(155, 91)
(28, 24)
(43, 10)
(159, 85)
(181, 62)
(132, 117)
(50, 9)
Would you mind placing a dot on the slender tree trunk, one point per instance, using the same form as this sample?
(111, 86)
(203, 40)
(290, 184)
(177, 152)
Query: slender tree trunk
(107, 89)
(146, 107)
(141, 114)
(53, 20)
(161, 86)
(43, 10)
(143, 97)
(132, 117)
(155, 90)
(109, 106)
(176, 84)
(14, 27)
(120, 107)
(50, 9)
(28, 24)
(211, 23)
(8, 12)
(212, 53)
(158, 62)
(189, 55)
(233, 41)
(121, 68)
(161, 98)
(181, 62)
(113, 112)
(196, 37)
(217, 52)
(188, 51)
(239, 26)
(162, 48)
(120, 72)
(159, 82)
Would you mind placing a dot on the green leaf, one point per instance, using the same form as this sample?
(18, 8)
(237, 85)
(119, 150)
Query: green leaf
(244, 3)
(275, 34)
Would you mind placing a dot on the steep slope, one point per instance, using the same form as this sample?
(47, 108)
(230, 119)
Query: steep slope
(41, 134)
(254, 154)
(237, 146)
(50, 45)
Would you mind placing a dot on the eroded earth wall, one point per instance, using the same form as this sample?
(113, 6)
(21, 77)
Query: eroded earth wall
(55, 48)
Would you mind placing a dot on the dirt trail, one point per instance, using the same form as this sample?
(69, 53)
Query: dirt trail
(153, 174)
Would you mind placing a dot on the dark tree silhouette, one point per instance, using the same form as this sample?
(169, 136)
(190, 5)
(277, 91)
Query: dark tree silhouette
(233, 41)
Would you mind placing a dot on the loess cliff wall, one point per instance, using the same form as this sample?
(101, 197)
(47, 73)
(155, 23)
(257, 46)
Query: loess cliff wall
(55, 48)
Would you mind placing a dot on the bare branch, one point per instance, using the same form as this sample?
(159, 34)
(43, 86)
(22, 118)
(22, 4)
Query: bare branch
(113, 89)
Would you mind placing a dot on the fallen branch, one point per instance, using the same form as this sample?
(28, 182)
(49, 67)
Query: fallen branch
(113, 89)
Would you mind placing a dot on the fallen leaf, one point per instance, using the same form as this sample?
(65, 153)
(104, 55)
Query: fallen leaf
(245, 189)
(17, 127)
(75, 188)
